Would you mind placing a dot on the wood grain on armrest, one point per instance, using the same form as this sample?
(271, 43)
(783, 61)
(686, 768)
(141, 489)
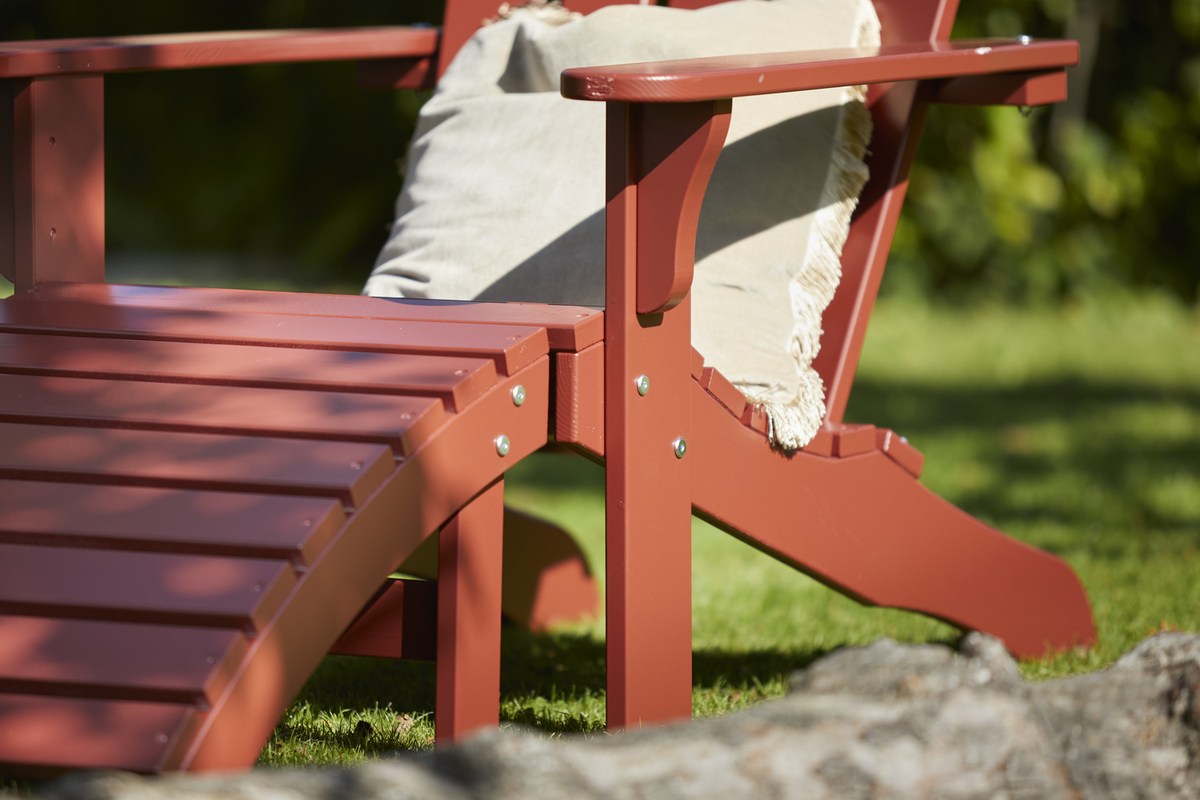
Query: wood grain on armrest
(738, 76)
(190, 50)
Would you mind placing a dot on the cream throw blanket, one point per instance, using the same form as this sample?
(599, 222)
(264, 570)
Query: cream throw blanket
(504, 189)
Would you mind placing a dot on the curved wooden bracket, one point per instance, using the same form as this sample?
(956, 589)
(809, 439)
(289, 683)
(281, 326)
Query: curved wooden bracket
(1033, 88)
(675, 147)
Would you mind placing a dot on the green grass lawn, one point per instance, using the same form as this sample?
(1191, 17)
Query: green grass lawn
(1077, 430)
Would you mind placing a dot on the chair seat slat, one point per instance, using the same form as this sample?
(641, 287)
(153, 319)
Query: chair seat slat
(457, 380)
(568, 327)
(400, 422)
(206, 591)
(511, 346)
(168, 520)
(115, 660)
(48, 734)
(348, 471)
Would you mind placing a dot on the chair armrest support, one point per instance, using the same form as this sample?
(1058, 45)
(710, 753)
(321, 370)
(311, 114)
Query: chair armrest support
(1034, 88)
(705, 79)
(61, 57)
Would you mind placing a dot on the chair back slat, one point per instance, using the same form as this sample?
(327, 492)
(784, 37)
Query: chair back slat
(464, 17)
(898, 113)
(903, 20)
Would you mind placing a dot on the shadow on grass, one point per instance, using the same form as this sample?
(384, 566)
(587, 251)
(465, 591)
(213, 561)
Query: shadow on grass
(1088, 454)
(545, 678)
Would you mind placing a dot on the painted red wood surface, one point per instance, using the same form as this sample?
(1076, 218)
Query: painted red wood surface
(203, 491)
(470, 565)
(54, 130)
(546, 579)
(511, 346)
(873, 532)
(397, 421)
(150, 519)
(719, 77)
(191, 50)
(646, 669)
(1033, 88)
(647, 487)
(458, 381)
(567, 327)
(400, 621)
(117, 660)
(232, 531)
(39, 731)
(673, 173)
(350, 471)
(145, 587)
(391, 525)
(579, 395)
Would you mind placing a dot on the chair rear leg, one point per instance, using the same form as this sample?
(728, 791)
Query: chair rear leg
(470, 558)
(866, 527)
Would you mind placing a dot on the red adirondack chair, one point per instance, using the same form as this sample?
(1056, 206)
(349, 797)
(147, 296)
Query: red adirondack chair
(203, 490)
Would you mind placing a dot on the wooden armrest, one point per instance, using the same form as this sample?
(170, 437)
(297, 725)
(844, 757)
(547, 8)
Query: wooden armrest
(33, 59)
(706, 79)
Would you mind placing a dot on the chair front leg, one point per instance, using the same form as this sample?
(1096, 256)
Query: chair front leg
(659, 160)
(470, 559)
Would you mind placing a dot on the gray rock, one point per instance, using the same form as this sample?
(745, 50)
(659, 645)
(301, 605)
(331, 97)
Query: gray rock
(1132, 730)
(883, 721)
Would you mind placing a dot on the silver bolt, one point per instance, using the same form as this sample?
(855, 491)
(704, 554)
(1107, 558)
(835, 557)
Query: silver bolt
(643, 384)
(680, 447)
(1024, 39)
(518, 395)
(503, 445)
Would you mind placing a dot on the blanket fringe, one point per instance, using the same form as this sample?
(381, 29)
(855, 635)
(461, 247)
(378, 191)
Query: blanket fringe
(794, 422)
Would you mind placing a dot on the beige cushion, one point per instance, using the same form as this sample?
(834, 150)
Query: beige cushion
(504, 191)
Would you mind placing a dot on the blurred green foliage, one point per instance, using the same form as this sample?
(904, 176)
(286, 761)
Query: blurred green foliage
(1097, 194)
(298, 165)
(266, 166)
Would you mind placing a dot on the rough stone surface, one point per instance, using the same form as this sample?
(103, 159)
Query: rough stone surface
(883, 721)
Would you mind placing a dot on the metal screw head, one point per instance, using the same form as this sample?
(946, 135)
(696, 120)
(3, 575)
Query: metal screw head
(1024, 39)
(503, 445)
(680, 447)
(518, 395)
(642, 382)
